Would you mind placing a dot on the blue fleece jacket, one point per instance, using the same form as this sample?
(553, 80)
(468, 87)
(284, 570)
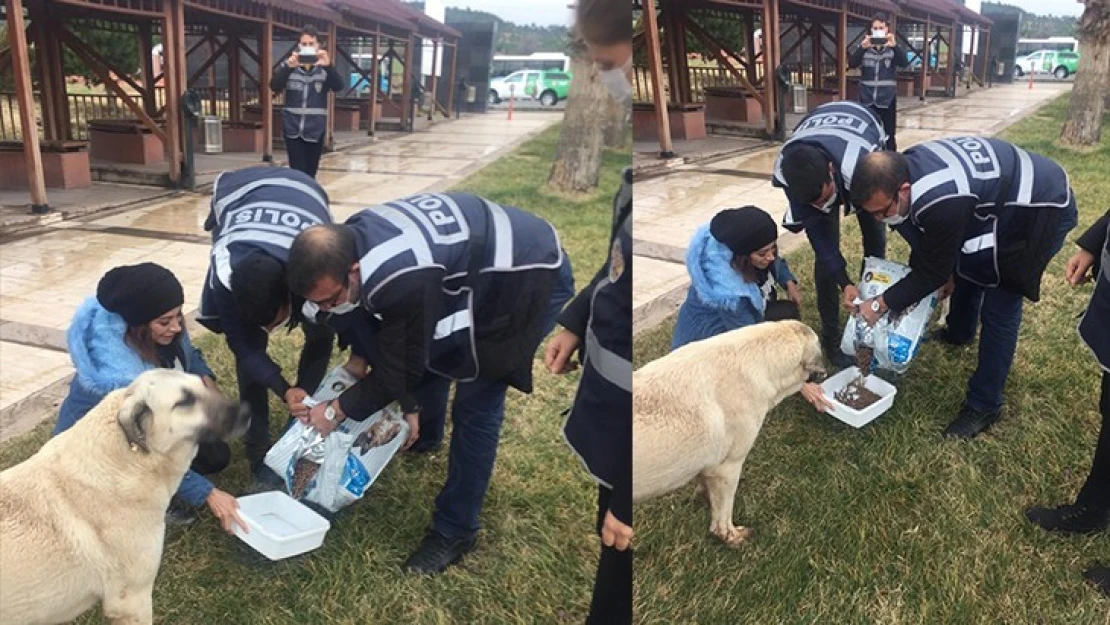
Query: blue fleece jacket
(104, 363)
(719, 299)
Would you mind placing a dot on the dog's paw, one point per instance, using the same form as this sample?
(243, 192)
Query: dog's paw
(733, 536)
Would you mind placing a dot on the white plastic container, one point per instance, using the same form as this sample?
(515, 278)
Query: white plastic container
(280, 526)
(873, 383)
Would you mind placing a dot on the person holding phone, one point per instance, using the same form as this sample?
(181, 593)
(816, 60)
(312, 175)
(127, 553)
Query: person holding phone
(879, 56)
(306, 77)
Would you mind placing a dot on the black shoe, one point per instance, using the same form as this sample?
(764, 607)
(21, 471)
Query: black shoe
(425, 447)
(837, 358)
(1074, 519)
(180, 513)
(264, 479)
(437, 552)
(970, 423)
(940, 335)
(1099, 576)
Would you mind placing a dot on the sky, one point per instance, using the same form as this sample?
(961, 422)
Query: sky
(1048, 7)
(542, 12)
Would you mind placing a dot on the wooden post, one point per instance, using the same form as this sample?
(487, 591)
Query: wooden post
(817, 54)
(749, 44)
(375, 76)
(65, 124)
(146, 47)
(333, 54)
(451, 81)
(212, 103)
(655, 63)
(265, 96)
(674, 80)
(986, 56)
(21, 70)
(925, 59)
(769, 32)
(685, 89)
(171, 45)
(435, 59)
(842, 52)
(234, 79)
(951, 62)
(406, 85)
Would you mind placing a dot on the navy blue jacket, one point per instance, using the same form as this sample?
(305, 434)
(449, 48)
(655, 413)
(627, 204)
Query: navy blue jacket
(844, 131)
(1094, 328)
(305, 112)
(599, 426)
(878, 80)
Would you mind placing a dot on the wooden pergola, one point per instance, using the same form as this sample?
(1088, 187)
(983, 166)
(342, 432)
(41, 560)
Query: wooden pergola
(790, 28)
(220, 29)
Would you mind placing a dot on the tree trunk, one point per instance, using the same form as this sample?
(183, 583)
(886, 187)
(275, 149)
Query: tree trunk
(1088, 97)
(616, 126)
(577, 165)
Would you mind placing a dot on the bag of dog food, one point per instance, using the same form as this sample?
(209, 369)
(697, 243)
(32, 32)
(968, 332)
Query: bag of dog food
(896, 341)
(335, 471)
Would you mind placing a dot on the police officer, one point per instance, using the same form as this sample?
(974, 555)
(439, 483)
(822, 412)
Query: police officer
(305, 114)
(878, 81)
(1091, 511)
(436, 288)
(815, 170)
(989, 216)
(255, 215)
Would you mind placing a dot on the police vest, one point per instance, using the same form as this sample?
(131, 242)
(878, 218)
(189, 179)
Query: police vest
(998, 176)
(877, 80)
(1094, 327)
(259, 209)
(466, 237)
(305, 114)
(844, 131)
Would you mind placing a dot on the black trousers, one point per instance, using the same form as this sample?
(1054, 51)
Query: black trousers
(311, 369)
(828, 292)
(304, 155)
(1096, 490)
(612, 601)
(889, 117)
(211, 458)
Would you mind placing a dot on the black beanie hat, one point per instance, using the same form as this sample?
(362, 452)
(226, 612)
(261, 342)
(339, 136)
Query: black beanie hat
(140, 293)
(744, 230)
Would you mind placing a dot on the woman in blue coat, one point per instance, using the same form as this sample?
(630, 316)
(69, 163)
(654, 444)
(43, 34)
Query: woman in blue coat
(734, 270)
(1090, 513)
(134, 324)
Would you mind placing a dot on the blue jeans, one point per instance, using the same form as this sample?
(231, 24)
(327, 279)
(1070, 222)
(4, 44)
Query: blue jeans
(476, 416)
(999, 310)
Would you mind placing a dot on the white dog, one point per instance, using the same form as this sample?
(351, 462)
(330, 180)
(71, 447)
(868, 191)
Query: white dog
(698, 410)
(82, 520)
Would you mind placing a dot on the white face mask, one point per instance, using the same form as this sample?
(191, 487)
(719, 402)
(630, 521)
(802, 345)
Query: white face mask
(343, 308)
(280, 324)
(616, 81)
(831, 202)
(879, 32)
(895, 220)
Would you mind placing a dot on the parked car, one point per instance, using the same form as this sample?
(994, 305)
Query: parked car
(549, 87)
(1059, 63)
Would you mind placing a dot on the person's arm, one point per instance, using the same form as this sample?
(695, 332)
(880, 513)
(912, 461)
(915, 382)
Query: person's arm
(280, 77)
(783, 275)
(194, 488)
(856, 59)
(822, 233)
(248, 344)
(334, 80)
(195, 362)
(1094, 239)
(745, 316)
(576, 316)
(409, 310)
(900, 58)
(934, 258)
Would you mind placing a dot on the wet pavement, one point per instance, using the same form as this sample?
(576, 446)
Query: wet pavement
(670, 207)
(45, 274)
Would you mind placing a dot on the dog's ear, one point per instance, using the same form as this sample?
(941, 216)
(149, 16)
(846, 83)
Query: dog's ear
(132, 419)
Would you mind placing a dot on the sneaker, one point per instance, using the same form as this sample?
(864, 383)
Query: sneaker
(1074, 519)
(971, 423)
(180, 513)
(437, 552)
(1099, 576)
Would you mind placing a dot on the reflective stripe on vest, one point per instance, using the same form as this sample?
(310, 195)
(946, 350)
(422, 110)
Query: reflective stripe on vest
(304, 111)
(221, 204)
(608, 364)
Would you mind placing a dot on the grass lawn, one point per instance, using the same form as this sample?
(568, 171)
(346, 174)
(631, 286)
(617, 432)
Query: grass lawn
(537, 554)
(891, 523)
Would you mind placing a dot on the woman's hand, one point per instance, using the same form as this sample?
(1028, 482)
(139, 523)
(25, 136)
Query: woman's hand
(794, 293)
(816, 397)
(226, 509)
(1079, 266)
(615, 534)
(559, 350)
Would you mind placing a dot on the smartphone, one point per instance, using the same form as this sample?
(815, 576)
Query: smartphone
(306, 55)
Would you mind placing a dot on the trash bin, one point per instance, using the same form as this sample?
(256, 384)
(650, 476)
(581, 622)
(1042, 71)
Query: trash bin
(799, 104)
(471, 94)
(212, 135)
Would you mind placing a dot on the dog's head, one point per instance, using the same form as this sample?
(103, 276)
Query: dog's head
(163, 409)
(813, 365)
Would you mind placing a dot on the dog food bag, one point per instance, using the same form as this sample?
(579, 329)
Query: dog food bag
(335, 471)
(896, 341)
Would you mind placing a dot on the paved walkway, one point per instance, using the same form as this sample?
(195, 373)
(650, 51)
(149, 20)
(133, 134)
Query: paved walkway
(669, 208)
(45, 274)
